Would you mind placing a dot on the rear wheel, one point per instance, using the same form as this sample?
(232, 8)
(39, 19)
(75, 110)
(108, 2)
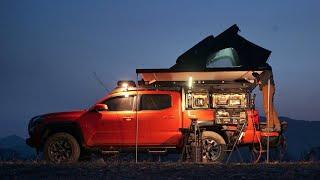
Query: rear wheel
(61, 148)
(213, 147)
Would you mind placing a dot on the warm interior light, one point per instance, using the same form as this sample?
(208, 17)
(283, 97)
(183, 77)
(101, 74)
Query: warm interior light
(126, 95)
(125, 85)
(190, 82)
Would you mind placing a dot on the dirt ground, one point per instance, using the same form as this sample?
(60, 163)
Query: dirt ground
(167, 170)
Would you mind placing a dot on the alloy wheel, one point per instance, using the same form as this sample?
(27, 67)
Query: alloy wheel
(60, 150)
(211, 150)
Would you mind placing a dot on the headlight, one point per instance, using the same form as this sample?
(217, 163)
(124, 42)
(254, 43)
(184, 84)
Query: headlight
(33, 123)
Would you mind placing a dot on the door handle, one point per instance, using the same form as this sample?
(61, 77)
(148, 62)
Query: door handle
(127, 118)
(168, 117)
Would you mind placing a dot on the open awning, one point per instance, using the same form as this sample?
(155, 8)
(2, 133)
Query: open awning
(153, 75)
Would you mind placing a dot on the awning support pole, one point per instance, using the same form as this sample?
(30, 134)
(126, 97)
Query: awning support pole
(137, 122)
(268, 122)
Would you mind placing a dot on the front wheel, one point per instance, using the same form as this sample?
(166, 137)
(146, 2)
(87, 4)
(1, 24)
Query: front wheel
(213, 147)
(61, 148)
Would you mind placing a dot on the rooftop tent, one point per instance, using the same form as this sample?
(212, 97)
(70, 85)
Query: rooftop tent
(207, 60)
(227, 45)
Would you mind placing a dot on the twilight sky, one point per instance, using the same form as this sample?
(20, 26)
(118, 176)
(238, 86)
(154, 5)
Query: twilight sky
(49, 50)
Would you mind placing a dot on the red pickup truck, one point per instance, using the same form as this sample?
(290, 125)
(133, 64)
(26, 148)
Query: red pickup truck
(156, 116)
(203, 105)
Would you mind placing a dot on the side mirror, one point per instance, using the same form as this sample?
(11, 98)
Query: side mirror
(100, 107)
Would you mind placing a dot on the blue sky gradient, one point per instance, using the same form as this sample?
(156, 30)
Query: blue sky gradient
(50, 49)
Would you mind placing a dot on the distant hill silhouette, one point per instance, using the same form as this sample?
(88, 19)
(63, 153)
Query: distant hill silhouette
(302, 137)
(14, 147)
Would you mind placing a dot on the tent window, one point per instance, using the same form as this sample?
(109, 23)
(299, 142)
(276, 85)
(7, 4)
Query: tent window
(227, 57)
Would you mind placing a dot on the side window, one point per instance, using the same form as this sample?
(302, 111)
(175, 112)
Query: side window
(120, 103)
(155, 101)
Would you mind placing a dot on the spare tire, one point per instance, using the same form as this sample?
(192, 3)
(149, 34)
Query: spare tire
(213, 147)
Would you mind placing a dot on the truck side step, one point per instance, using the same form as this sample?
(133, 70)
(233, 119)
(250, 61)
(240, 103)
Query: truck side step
(110, 152)
(157, 151)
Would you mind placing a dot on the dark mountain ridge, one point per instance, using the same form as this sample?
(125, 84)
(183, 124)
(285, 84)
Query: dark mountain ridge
(14, 147)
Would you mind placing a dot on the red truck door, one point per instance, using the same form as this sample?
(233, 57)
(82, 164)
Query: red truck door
(159, 118)
(110, 128)
(128, 127)
(107, 129)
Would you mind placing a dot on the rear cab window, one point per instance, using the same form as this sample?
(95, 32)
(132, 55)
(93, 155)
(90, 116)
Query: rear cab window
(155, 101)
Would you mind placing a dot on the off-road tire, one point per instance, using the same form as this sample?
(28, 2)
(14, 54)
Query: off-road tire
(218, 147)
(68, 150)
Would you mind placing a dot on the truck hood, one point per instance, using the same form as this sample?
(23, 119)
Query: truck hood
(70, 115)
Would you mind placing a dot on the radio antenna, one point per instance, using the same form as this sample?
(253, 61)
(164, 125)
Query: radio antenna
(100, 82)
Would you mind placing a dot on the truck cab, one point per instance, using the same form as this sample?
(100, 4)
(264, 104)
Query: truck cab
(126, 117)
(158, 113)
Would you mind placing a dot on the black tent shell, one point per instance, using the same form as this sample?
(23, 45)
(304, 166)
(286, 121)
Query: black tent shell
(193, 63)
(250, 55)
